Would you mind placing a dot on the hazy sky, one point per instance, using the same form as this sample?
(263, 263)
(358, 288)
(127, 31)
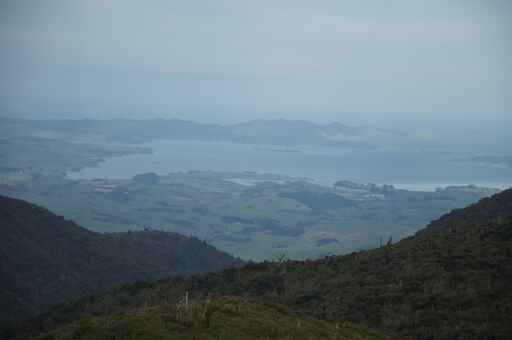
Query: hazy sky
(378, 62)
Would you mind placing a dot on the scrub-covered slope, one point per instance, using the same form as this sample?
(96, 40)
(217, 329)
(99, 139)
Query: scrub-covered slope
(211, 319)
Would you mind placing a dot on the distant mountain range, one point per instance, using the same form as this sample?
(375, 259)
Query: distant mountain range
(452, 280)
(271, 132)
(45, 259)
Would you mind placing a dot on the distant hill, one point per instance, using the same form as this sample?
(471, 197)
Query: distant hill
(300, 132)
(270, 132)
(452, 280)
(45, 259)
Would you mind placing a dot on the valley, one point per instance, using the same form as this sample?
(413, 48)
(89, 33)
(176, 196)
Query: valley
(255, 215)
(255, 170)
(265, 217)
(450, 280)
(146, 225)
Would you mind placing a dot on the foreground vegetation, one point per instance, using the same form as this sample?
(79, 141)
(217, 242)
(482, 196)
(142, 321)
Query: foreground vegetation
(215, 318)
(452, 280)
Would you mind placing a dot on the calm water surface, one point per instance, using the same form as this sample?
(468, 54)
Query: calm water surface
(414, 170)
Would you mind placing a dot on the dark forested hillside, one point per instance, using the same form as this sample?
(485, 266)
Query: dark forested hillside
(45, 259)
(452, 280)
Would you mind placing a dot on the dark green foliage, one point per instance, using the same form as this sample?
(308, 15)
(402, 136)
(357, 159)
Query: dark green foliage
(217, 318)
(452, 280)
(45, 259)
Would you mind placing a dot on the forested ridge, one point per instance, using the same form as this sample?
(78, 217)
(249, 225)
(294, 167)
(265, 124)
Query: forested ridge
(45, 259)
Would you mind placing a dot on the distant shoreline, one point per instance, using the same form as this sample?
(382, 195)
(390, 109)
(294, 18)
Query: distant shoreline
(323, 166)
